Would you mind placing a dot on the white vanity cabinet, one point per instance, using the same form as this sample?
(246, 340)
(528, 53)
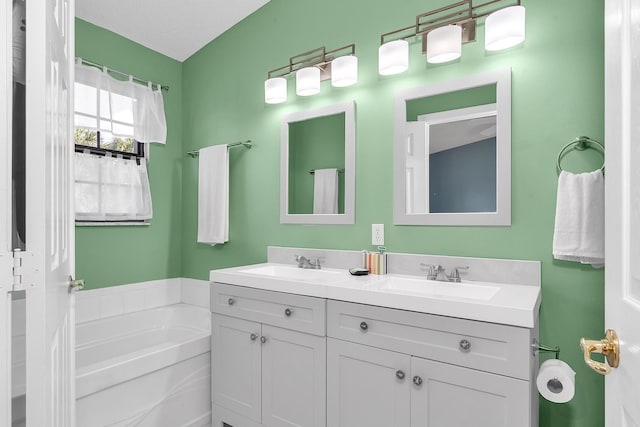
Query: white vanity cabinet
(280, 359)
(268, 358)
(405, 369)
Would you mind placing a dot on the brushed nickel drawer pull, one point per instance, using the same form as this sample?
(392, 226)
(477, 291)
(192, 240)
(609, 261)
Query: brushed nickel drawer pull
(465, 345)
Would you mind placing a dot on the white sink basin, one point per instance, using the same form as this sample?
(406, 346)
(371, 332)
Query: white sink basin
(435, 289)
(293, 273)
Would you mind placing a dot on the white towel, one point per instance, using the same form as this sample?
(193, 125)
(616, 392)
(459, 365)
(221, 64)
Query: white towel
(325, 191)
(579, 228)
(213, 195)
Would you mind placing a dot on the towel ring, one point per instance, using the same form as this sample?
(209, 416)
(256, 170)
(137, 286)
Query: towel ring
(581, 143)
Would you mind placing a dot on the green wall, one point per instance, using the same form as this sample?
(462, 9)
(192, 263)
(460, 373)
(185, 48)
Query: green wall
(113, 255)
(557, 77)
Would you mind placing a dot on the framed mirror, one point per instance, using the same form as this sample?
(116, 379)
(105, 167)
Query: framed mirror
(452, 152)
(317, 166)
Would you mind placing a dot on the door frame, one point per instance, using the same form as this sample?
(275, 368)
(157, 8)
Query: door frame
(6, 256)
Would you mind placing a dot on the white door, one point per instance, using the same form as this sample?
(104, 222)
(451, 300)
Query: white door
(50, 338)
(367, 386)
(6, 274)
(453, 396)
(294, 378)
(622, 276)
(417, 168)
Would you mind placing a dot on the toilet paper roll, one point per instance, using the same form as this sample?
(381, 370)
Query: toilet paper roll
(556, 381)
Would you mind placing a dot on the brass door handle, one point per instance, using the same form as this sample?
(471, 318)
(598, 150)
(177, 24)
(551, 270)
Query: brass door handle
(608, 346)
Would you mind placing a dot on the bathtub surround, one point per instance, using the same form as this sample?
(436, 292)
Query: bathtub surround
(117, 300)
(195, 292)
(552, 103)
(143, 354)
(149, 367)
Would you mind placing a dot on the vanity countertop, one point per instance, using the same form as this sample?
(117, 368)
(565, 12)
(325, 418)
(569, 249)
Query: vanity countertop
(509, 304)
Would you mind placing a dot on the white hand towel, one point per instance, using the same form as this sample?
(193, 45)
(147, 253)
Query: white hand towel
(213, 195)
(325, 191)
(579, 228)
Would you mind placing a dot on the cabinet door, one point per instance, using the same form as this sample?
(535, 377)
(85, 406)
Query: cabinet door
(293, 378)
(453, 396)
(235, 367)
(367, 386)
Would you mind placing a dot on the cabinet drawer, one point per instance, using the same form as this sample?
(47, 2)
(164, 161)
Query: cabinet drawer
(300, 313)
(488, 347)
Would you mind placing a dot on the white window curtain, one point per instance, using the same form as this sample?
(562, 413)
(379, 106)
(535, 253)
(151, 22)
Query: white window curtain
(122, 108)
(111, 189)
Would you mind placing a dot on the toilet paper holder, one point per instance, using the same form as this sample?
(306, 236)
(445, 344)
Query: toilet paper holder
(538, 347)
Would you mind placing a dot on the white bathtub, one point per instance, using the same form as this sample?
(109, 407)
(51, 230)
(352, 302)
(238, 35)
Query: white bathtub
(146, 368)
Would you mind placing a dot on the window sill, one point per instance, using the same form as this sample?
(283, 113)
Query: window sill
(108, 224)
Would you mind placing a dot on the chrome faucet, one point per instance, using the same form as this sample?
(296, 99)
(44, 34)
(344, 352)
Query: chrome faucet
(437, 272)
(304, 262)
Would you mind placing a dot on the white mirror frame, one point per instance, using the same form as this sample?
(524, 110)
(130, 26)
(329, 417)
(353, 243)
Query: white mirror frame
(502, 215)
(349, 215)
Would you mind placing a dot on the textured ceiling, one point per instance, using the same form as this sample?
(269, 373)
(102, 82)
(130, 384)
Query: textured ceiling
(176, 29)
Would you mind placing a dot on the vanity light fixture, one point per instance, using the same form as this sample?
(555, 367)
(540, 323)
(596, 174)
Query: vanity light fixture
(344, 71)
(443, 31)
(444, 44)
(275, 90)
(310, 68)
(504, 28)
(308, 81)
(393, 57)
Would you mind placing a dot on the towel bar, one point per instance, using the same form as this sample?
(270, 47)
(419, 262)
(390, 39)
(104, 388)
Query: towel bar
(313, 171)
(247, 144)
(581, 143)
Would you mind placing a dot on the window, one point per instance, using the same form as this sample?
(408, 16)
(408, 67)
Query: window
(111, 180)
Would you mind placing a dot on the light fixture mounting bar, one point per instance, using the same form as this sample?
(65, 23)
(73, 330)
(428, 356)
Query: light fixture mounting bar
(481, 10)
(457, 13)
(319, 57)
(463, 13)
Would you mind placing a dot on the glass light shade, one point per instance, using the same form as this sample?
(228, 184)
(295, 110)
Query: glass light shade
(504, 28)
(344, 71)
(444, 44)
(308, 81)
(393, 57)
(275, 90)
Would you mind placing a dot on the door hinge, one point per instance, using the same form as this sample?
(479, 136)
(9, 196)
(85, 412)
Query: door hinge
(22, 270)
